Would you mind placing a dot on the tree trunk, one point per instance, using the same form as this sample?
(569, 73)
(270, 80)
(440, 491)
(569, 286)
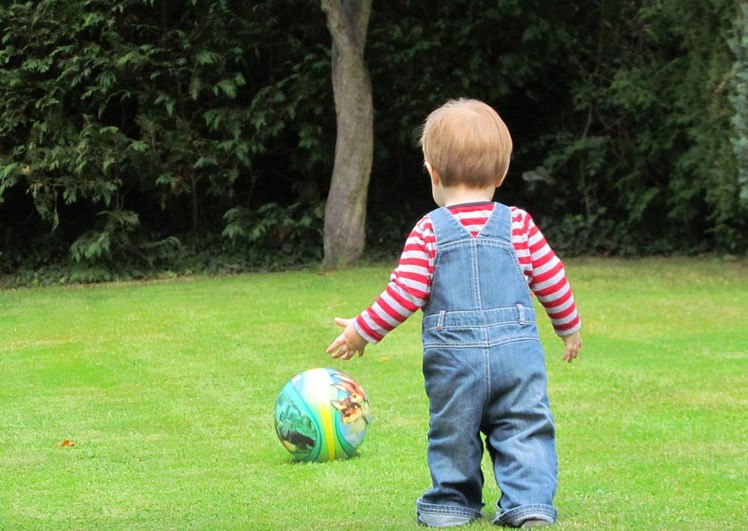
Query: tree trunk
(345, 213)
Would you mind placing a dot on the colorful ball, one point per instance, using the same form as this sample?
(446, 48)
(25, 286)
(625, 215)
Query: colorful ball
(321, 415)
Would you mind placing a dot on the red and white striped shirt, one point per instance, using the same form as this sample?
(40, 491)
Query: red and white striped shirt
(410, 283)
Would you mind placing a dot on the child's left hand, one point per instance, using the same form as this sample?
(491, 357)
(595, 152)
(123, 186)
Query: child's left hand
(348, 343)
(572, 344)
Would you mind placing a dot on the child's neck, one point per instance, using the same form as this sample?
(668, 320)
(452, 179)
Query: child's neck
(459, 195)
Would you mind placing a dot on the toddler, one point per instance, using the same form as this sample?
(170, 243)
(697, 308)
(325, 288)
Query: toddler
(471, 266)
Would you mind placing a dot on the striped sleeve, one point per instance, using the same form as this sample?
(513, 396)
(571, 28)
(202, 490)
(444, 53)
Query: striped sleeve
(545, 273)
(409, 287)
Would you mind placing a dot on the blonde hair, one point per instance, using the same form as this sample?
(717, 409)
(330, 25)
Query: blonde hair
(467, 143)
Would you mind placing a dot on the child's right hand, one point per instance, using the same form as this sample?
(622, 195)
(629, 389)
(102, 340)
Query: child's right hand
(348, 343)
(573, 343)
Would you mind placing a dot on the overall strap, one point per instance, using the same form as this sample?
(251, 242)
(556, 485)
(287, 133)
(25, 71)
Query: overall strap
(446, 227)
(449, 229)
(499, 225)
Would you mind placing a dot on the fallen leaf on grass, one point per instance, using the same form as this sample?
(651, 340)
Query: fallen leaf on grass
(66, 443)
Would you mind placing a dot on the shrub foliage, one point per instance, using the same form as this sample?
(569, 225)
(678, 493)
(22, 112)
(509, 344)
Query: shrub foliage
(137, 133)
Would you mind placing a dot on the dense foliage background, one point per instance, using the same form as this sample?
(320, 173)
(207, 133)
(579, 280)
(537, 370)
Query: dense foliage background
(145, 135)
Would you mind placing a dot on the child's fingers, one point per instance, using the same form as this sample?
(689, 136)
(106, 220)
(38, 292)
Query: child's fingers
(340, 341)
(341, 322)
(342, 352)
(345, 347)
(572, 351)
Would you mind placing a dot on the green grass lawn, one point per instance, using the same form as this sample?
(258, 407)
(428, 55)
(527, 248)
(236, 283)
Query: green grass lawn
(167, 392)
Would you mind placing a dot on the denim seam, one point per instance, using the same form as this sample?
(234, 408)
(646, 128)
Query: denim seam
(440, 326)
(450, 242)
(431, 508)
(487, 378)
(477, 344)
(476, 273)
(521, 513)
(440, 322)
(505, 308)
(520, 312)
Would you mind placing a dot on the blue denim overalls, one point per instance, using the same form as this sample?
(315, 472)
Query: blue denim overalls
(484, 371)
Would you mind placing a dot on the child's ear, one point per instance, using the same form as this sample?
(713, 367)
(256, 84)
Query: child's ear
(500, 181)
(432, 173)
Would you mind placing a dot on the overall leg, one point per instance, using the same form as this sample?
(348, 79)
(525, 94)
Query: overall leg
(521, 435)
(456, 384)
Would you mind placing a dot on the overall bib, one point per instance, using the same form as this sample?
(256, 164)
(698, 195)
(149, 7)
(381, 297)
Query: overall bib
(484, 372)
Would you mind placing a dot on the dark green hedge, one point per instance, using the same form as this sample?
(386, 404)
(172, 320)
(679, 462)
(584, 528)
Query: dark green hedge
(136, 135)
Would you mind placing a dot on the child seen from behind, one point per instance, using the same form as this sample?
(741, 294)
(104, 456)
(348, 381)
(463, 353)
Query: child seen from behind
(471, 266)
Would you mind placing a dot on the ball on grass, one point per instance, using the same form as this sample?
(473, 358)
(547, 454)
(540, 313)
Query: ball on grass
(321, 415)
